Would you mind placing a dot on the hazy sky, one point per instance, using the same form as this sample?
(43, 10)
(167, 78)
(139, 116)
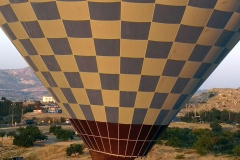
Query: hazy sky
(227, 75)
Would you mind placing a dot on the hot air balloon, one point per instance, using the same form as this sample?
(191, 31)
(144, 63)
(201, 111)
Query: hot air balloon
(121, 69)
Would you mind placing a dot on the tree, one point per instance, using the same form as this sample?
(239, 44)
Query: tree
(27, 136)
(11, 134)
(74, 149)
(55, 129)
(203, 145)
(174, 142)
(2, 134)
(65, 135)
(216, 127)
(236, 150)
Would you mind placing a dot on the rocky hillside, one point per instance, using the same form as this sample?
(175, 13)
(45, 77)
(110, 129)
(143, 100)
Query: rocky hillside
(18, 84)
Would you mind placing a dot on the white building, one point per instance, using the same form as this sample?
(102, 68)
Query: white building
(48, 99)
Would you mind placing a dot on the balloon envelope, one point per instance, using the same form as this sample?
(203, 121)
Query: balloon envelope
(121, 69)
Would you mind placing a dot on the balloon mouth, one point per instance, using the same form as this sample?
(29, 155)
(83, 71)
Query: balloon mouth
(115, 141)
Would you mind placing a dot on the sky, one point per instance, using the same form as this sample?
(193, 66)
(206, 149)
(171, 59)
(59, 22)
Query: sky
(227, 75)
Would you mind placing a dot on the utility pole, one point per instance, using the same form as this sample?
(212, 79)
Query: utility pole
(12, 112)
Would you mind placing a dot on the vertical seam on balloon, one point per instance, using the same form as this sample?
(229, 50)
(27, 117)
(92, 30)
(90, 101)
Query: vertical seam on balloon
(100, 137)
(128, 139)
(93, 136)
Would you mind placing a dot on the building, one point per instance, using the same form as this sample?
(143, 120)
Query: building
(48, 99)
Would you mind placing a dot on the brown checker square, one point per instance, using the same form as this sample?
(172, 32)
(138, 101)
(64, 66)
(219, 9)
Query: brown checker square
(131, 65)
(112, 114)
(148, 83)
(137, 11)
(238, 9)
(139, 115)
(222, 55)
(111, 98)
(216, 22)
(158, 100)
(203, 3)
(143, 99)
(107, 47)
(74, 79)
(161, 117)
(104, 11)
(201, 70)
(8, 30)
(42, 46)
(50, 10)
(199, 53)
(18, 1)
(78, 29)
(163, 32)
(69, 95)
(8, 13)
(30, 62)
(18, 30)
(95, 97)
(60, 46)
(158, 49)
(180, 101)
(53, 28)
(106, 29)
(135, 30)
(173, 68)
(90, 80)
(139, 1)
(133, 48)
(86, 63)
(181, 51)
(224, 38)
(180, 85)
(168, 14)
(33, 29)
(87, 112)
(188, 34)
(70, 111)
(127, 99)
(53, 94)
(189, 69)
(27, 44)
(110, 81)
(51, 63)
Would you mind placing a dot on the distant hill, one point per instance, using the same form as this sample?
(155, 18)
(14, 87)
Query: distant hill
(18, 84)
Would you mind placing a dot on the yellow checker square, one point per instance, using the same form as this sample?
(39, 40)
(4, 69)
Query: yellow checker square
(77, 111)
(43, 80)
(64, 110)
(20, 48)
(80, 95)
(99, 113)
(129, 82)
(213, 54)
(2, 20)
(194, 16)
(190, 86)
(234, 22)
(82, 46)
(108, 64)
(189, 69)
(233, 41)
(137, 12)
(110, 98)
(42, 46)
(125, 115)
(18, 30)
(60, 79)
(4, 2)
(143, 99)
(104, 0)
(170, 101)
(59, 94)
(209, 36)
(133, 48)
(90, 80)
(106, 29)
(169, 117)
(181, 51)
(41, 0)
(227, 6)
(24, 11)
(37, 60)
(209, 71)
(173, 2)
(67, 63)
(165, 84)
(79, 10)
(151, 116)
(163, 32)
(153, 66)
(53, 28)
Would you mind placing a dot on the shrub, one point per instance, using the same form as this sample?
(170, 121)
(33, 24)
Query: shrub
(236, 150)
(174, 142)
(55, 129)
(179, 156)
(216, 127)
(62, 120)
(11, 134)
(65, 135)
(203, 145)
(2, 134)
(74, 149)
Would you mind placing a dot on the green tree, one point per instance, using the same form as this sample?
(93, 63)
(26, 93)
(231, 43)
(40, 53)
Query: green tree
(11, 134)
(74, 149)
(236, 150)
(55, 129)
(203, 145)
(174, 142)
(65, 135)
